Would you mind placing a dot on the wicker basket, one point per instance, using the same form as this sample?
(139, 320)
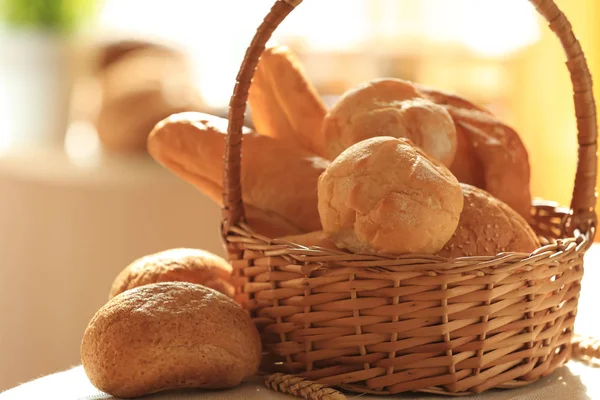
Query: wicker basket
(385, 325)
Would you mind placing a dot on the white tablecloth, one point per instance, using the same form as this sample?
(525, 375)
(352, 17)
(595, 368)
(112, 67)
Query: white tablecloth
(575, 381)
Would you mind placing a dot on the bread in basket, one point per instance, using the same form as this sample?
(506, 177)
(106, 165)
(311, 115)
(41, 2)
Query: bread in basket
(384, 325)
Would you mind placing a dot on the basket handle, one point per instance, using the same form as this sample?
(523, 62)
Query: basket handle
(584, 192)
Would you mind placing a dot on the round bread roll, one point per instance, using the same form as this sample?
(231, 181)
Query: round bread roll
(169, 335)
(384, 195)
(487, 226)
(390, 107)
(176, 265)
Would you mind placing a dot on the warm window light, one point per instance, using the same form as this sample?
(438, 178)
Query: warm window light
(216, 33)
(490, 28)
(82, 145)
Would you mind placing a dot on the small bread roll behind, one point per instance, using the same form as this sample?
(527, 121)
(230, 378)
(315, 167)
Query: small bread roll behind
(390, 107)
(176, 265)
(383, 195)
(487, 227)
(169, 335)
(138, 90)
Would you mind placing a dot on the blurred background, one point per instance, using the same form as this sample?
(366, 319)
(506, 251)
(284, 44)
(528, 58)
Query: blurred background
(82, 82)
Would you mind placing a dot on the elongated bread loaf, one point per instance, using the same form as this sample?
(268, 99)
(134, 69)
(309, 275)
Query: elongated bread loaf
(279, 180)
(284, 103)
(490, 154)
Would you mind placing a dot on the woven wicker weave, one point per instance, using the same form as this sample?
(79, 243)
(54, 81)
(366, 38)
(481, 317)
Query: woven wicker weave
(417, 322)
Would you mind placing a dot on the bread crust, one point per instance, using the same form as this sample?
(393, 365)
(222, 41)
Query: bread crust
(284, 103)
(487, 227)
(169, 335)
(490, 154)
(279, 180)
(384, 195)
(176, 265)
(390, 107)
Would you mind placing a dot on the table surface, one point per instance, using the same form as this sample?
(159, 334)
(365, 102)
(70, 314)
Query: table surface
(575, 381)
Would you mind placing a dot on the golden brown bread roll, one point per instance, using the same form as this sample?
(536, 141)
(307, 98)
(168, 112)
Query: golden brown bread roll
(390, 107)
(284, 103)
(488, 226)
(279, 180)
(176, 265)
(384, 195)
(312, 239)
(140, 89)
(490, 154)
(169, 335)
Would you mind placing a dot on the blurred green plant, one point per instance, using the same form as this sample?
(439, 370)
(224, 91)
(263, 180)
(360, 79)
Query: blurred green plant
(63, 16)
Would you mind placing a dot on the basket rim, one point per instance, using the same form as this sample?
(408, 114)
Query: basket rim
(502, 262)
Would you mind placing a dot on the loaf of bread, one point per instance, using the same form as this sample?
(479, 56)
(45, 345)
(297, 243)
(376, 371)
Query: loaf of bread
(488, 226)
(490, 154)
(384, 195)
(279, 180)
(139, 90)
(169, 335)
(390, 107)
(111, 51)
(284, 103)
(503, 156)
(312, 239)
(176, 265)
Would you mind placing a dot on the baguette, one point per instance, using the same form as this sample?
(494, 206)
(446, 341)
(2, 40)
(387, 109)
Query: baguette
(279, 181)
(284, 104)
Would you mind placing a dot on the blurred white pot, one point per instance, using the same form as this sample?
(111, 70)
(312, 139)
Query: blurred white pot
(36, 81)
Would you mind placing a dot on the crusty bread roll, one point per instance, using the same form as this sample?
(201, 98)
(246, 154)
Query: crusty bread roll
(279, 180)
(284, 103)
(390, 107)
(176, 265)
(169, 335)
(312, 239)
(488, 226)
(384, 195)
(490, 154)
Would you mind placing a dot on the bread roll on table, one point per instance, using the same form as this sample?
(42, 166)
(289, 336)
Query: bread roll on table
(169, 335)
(176, 265)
